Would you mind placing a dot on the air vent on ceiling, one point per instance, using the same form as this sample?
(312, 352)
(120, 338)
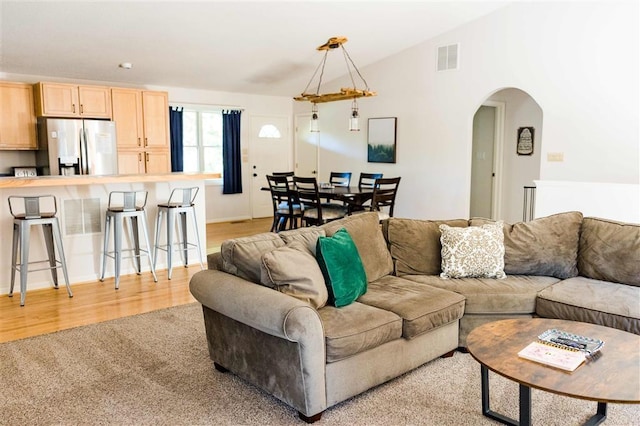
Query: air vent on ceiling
(448, 57)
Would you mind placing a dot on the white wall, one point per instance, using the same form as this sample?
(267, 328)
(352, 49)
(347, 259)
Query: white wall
(578, 60)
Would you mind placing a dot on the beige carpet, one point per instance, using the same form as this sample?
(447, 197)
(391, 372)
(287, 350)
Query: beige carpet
(154, 369)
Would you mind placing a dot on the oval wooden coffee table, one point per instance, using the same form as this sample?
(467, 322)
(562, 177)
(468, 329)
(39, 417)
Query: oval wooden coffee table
(611, 377)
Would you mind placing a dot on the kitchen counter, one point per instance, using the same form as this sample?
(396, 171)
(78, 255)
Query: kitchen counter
(47, 181)
(82, 202)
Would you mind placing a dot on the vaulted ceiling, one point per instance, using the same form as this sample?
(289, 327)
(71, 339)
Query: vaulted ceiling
(259, 47)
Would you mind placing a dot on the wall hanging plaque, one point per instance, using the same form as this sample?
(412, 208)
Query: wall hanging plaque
(525, 140)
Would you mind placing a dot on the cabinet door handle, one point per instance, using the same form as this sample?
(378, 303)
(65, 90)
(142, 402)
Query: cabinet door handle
(147, 154)
(146, 142)
(73, 108)
(81, 109)
(139, 142)
(139, 157)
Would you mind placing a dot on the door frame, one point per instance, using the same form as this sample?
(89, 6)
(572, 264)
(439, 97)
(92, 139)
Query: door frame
(498, 157)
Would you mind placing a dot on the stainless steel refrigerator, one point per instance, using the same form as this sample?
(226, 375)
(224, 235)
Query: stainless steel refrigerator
(77, 147)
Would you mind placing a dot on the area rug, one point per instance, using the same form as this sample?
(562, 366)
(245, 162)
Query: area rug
(154, 369)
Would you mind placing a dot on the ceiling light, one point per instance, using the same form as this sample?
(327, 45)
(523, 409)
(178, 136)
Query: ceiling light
(354, 125)
(345, 92)
(126, 65)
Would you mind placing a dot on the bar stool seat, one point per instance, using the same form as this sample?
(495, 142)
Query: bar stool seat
(126, 205)
(26, 212)
(180, 205)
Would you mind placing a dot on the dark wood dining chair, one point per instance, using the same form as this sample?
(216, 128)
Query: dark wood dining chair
(365, 181)
(286, 209)
(314, 212)
(340, 178)
(368, 180)
(384, 196)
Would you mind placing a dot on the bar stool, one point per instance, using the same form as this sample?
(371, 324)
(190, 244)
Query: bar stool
(129, 205)
(26, 212)
(180, 203)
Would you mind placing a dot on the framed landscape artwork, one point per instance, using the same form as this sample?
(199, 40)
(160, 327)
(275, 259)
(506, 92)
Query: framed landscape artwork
(381, 140)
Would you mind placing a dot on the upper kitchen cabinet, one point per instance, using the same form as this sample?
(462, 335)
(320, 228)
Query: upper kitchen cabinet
(17, 117)
(142, 129)
(70, 100)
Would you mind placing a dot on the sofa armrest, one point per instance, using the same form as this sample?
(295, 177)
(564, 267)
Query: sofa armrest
(275, 314)
(257, 306)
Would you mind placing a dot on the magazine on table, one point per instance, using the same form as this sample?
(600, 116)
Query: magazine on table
(561, 349)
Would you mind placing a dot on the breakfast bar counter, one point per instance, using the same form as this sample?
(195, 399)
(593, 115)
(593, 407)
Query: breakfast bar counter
(46, 181)
(82, 202)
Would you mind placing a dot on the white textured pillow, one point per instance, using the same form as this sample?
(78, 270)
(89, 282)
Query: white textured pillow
(473, 252)
(292, 270)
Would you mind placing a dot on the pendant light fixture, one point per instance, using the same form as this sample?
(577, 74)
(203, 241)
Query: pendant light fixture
(343, 94)
(354, 125)
(313, 123)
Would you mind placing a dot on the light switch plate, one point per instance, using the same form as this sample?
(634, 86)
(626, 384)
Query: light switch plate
(555, 156)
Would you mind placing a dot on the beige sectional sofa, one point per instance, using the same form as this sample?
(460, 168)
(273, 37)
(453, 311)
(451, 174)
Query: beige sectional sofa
(265, 320)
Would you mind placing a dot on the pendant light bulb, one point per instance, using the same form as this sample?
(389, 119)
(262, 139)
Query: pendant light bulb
(354, 125)
(313, 123)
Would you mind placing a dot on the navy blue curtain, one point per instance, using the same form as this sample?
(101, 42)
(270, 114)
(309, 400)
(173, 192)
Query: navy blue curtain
(231, 156)
(175, 131)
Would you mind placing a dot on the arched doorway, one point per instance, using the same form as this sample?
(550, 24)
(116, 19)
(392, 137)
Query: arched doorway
(500, 171)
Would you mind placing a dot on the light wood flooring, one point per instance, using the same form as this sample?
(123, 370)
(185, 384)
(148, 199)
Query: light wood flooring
(49, 310)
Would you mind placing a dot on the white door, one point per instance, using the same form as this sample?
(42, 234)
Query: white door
(306, 147)
(487, 161)
(270, 151)
(482, 163)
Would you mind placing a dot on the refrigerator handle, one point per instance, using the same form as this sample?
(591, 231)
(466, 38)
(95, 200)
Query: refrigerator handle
(84, 160)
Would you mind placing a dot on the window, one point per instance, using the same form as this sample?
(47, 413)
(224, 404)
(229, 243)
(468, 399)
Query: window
(202, 140)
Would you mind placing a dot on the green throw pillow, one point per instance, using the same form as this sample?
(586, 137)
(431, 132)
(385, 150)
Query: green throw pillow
(342, 268)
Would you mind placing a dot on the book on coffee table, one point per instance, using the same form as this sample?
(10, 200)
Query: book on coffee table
(562, 349)
(554, 356)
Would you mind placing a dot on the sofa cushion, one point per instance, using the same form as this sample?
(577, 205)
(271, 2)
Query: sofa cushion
(342, 268)
(515, 294)
(544, 246)
(294, 271)
(242, 256)
(356, 328)
(308, 235)
(366, 234)
(610, 251)
(472, 252)
(594, 301)
(422, 308)
(415, 244)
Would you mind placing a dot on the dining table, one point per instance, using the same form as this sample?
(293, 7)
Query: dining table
(355, 197)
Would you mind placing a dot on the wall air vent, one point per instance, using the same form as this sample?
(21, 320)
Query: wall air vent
(448, 57)
(82, 216)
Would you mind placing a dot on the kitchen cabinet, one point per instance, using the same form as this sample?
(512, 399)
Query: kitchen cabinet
(141, 162)
(71, 100)
(142, 130)
(17, 117)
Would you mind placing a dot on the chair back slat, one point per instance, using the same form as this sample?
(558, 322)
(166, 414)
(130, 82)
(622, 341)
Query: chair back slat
(368, 180)
(384, 194)
(183, 197)
(127, 201)
(340, 178)
(32, 207)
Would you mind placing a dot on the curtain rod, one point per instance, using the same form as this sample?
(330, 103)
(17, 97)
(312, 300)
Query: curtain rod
(182, 104)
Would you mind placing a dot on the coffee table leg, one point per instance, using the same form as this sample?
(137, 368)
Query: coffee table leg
(600, 416)
(525, 405)
(525, 397)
